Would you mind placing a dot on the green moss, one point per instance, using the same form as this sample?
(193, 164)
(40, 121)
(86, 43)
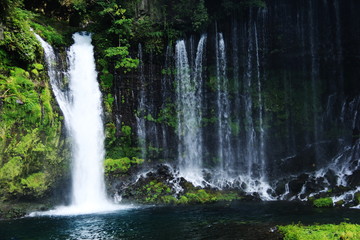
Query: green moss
(126, 130)
(357, 198)
(161, 193)
(156, 192)
(30, 128)
(183, 200)
(321, 232)
(200, 196)
(339, 203)
(323, 202)
(116, 167)
(18, 39)
(38, 66)
(204, 196)
(168, 199)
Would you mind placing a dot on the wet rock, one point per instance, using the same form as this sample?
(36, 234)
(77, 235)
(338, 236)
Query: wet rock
(280, 187)
(354, 179)
(314, 185)
(331, 177)
(296, 185)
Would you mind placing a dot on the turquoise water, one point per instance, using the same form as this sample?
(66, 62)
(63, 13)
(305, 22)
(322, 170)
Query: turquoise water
(237, 220)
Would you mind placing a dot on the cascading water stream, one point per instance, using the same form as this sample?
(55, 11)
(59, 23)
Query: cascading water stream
(140, 121)
(82, 109)
(225, 151)
(86, 126)
(188, 99)
(249, 124)
(261, 148)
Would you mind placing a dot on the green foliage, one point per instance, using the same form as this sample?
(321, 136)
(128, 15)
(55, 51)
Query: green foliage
(18, 39)
(119, 147)
(117, 167)
(323, 202)
(126, 130)
(203, 196)
(147, 31)
(48, 33)
(200, 196)
(20, 96)
(124, 62)
(160, 193)
(113, 41)
(108, 102)
(12, 169)
(157, 192)
(321, 232)
(168, 115)
(200, 18)
(106, 78)
(30, 129)
(36, 184)
(186, 15)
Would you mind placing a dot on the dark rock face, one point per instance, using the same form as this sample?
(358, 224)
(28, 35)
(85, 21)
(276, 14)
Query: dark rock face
(292, 73)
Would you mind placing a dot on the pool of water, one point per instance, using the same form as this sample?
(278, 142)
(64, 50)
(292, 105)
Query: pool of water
(237, 220)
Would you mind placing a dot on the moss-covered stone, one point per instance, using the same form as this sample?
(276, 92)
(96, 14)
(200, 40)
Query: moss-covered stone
(357, 198)
(323, 202)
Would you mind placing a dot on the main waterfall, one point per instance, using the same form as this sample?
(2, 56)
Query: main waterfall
(85, 127)
(80, 103)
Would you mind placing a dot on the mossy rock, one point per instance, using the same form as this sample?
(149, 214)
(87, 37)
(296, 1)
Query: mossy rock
(339, 203)
(323, 202)
(357, 198)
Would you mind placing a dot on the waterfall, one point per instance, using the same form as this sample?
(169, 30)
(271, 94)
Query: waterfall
(261, 148)
(314, 75)
(249, 124)
(140, 121)
(237, 108)
(188, 101)
(225, 151)
(85, 126)
(82, 109)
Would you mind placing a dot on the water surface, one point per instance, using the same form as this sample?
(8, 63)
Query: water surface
(237, 220)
